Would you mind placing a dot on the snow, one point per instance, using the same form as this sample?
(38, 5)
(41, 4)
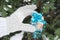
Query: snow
(3, 27)
(26, 0)
(14, 23)
(17, 36)
(10, 6)
(48, 2)
(5, 8)
(58, 39)
(7, 0)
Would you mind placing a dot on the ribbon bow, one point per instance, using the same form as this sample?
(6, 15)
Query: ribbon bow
(37, 17)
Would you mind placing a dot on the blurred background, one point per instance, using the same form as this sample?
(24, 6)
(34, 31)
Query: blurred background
(51, 10)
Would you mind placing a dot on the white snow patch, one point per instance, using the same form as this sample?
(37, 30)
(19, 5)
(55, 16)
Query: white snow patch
(7, 0)
(10, 6)
(3, 27)
(17, 36)
(26, 0)
(48, 2)
(5, 8)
